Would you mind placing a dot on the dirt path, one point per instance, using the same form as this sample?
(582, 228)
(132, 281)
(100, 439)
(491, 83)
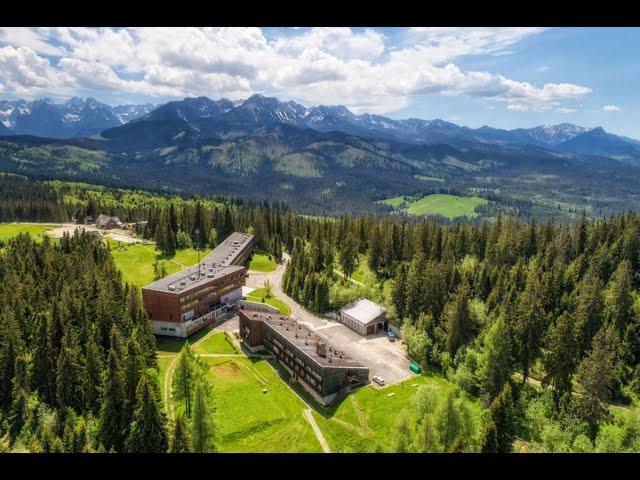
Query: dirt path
(537, 383)
(342, 275)
(308, 414)
(170, 259)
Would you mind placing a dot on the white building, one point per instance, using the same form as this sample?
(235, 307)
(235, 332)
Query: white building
(364, 316)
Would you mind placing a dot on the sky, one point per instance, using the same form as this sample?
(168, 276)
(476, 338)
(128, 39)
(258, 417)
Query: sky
(501, 77)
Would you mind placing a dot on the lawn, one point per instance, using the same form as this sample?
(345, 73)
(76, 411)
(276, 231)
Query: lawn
(215, 343)
(449, 206)
(262, 262)
(10, 230)
(368, 418)
(260, 296)
(135, 261)
(250, 420)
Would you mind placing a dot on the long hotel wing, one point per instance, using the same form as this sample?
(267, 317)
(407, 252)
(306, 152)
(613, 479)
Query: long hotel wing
(189, 300)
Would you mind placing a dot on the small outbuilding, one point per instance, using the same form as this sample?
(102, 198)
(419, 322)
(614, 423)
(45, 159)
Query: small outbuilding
(106, 222)
(364, 316)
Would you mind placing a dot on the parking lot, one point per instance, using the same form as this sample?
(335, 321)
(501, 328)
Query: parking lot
(384, 358)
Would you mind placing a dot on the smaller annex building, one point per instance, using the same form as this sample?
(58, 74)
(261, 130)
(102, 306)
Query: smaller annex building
(364, 316)
(321, 369)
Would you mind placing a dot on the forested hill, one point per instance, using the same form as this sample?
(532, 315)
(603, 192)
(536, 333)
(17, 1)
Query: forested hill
(327, 172)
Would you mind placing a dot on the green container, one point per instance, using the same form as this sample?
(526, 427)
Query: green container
(415, 368)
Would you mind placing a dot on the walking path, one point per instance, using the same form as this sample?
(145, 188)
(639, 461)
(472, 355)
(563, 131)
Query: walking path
(352, 280)
(308, 414)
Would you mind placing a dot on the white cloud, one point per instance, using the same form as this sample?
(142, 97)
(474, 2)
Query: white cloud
(610, 108)
(357, 68)
(543, 68)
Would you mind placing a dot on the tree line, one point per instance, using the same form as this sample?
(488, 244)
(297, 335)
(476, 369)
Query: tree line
(489, 302)
(78, 369)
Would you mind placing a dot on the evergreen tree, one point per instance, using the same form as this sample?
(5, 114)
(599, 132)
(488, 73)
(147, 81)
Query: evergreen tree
(399, 295)
(459, 325)
(202, 426)
(180, 438)
(500, 432)
(183, 377)
(560, 359)
(497, 362)
(113, 429)
(147, 433)
(596, 375)
(69, 391)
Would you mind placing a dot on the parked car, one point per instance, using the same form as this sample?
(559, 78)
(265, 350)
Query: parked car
(379, 380)
(391, 336)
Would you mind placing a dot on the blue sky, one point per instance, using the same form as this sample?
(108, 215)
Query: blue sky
(502, 77)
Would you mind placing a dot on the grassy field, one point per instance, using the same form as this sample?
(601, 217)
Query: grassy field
(9, 230)
(449, 206)
(216, 343)
(252, 420)
(261, 262)
(135, 261)
(394, 202)
(368, 418)
(255, 411)
(260, 294)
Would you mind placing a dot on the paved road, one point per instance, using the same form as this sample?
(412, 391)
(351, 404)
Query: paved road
(384, 358)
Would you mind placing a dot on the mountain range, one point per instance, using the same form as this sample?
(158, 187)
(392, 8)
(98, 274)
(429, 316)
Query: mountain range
(83, 118)
(324, 159)
(74, 118)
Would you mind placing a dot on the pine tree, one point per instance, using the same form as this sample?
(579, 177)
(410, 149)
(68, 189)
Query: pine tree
(530, 324)
(375, 249)
(596, 375)
(561, 355)
(202, 426)
(183, 378)
(147, 433)
(93, 368)
(180, 438)
(44, 356)
(133, 370)
(69, 391)
(459, 325)
(399, 294)
(113, 429)
(348, 257)
(500, 431)
(497, 362)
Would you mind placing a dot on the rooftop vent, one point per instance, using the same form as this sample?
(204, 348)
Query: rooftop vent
(192, 277)
(210, 275)
(172, 287)
(321, 348)
(182, 282)
(330, 359)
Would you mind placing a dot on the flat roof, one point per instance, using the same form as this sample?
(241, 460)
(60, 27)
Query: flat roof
(189, 278)
(364, 311)
(304, 339)
(229, 249)
(219, 263)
